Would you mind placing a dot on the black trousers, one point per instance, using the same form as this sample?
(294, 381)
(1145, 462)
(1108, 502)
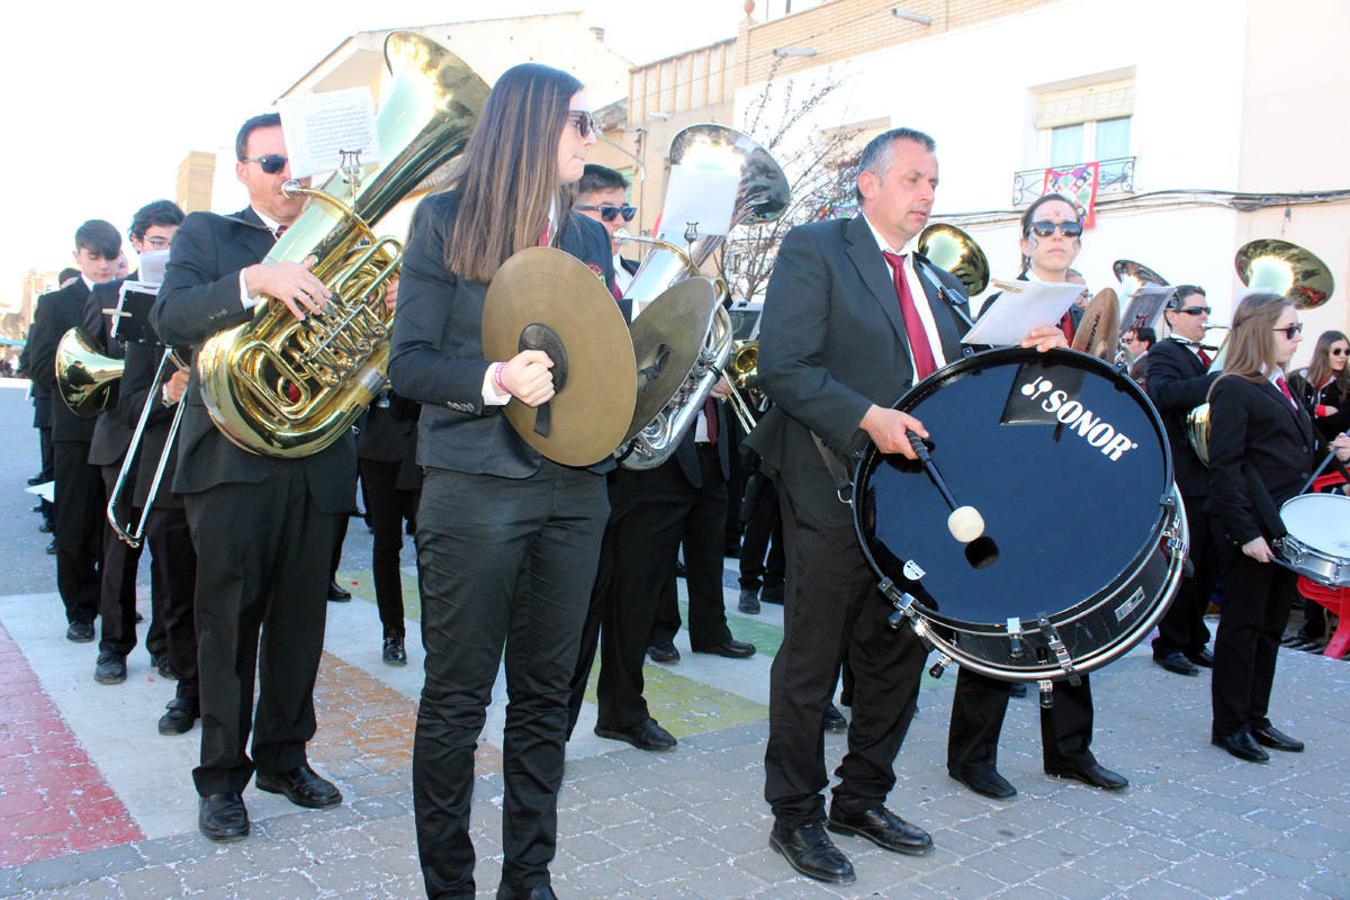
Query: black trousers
(1183, 629)
(977, 720)
(832, 604)
(173, 558)
(503, 563)
(1257, 600)
(386, 509)
(117, 595)
(763, 524)
(263, 552)
(79, 518)
(703, 549)
(48, 468)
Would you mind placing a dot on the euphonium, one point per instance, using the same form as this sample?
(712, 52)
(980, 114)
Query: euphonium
(85, 378)
(955, 252)
(710, 157)
(279, 386)
(1270, 266)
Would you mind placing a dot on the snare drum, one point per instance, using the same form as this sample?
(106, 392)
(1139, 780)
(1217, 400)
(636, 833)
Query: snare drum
(1318, 543)
(1068, 463)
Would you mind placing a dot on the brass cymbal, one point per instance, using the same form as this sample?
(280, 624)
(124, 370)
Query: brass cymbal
(668, 337)
(1098, 332)
(543, 298)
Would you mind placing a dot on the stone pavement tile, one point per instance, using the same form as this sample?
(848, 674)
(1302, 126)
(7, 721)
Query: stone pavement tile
(354, 876)
(327, 846)
(650, 866)
(800, 888)
(587, 849)
(634, 836)
(217, 870)
(1066, 881)
(275, 886)
(725, 881)
(696, 852)
(79, 867)
(1005, 866)
(960, 881)
(741, 838)
(1328, 884)
(269, 854)
(176, 848)
(399, 862)
(1122, 864)
(1274, 864)
(154, 881)
(1210, 875)
(103, 889)
(593, 881)
(1157, 889)
(1169, 850)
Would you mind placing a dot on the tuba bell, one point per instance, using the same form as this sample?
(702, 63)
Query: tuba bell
(86, 378)
(742, 373)
(712, 158)
(278, 386)
(951, 249)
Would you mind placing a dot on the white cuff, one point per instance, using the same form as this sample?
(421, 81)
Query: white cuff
(491, 397)
(244, 298)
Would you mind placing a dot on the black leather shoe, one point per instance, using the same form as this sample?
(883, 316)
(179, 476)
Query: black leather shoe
(664, 653)
(80, 632)
(772, 593)
(834, 720)
(731, 649)
(749, 602)
(1204, 658)
(35, 481)
(45, 527)
(51, 551)
(646, 735)
(1094, 775)
(883, 828)
(393, 652)
(302, 786)
(179, 716)
(336, 593)
(1272, 737)
(809, 850)
(111, 668)
(223, 817)
(1178, 663)
(507, 891)
(1242, 745)
(986, 784)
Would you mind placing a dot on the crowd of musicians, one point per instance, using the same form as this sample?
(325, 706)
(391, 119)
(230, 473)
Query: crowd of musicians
(549, 567)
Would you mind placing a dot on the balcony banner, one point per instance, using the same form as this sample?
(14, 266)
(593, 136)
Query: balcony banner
(1079, 184)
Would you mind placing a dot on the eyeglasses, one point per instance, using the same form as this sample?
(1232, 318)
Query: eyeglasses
(1045, 228)
(583, 120)
(159, 243)
(271, 163)
(1291, 331)
(609, 212)
(1196, 310)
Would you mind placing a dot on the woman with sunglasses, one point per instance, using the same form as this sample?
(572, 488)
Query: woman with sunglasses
(1325, 385)
(1262, 448)
(1051, 239)
(507, 541)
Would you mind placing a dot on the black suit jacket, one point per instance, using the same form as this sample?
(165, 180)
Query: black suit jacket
(1178, 383)
(111, 435)
(142, 361)
(57, 313)
(832, 344)
(437, 356)
(200, 297)
(1254, 425)
(388, 433)
(686, 454)
(1331, 395)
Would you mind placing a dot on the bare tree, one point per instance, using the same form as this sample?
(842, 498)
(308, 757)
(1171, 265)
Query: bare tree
(819, 165)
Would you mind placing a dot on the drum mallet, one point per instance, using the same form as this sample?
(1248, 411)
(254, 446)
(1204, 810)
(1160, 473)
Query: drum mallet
(965, 522)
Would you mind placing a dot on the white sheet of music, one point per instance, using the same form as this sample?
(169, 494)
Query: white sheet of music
(1024, 305)
(320, 128)
(705, 197)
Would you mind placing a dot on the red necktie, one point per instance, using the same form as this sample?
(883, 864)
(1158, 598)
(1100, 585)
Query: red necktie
(919, 348)
(1066, 326)
(1284, 389)
(281, 229)
(1204, 357)
(710, 417)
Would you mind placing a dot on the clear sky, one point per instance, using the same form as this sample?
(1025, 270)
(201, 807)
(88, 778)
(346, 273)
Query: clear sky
(103, 100)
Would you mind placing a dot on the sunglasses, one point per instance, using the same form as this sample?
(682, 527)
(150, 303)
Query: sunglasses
(1339, 351)
(1292, 331)
(582, 119)
(1045, 228)
(271, 163)
(609, 213)
(1196, 310)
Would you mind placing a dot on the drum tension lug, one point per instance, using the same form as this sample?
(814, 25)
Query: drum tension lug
(1047, 693)
(1017, 648)
(943, 661)
(900, 600)
(1057, 647)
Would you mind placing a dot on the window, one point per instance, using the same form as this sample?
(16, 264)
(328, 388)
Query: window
(1085, 121)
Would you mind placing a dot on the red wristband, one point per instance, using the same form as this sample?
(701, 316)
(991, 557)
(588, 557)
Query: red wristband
(497, 377)
(1320, 411)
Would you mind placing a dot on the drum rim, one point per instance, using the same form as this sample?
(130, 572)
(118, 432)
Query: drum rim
(1085, 605)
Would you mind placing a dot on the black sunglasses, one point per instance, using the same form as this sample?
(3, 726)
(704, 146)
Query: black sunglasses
(1291, 331)
(1339, 351)
(1197, 310)
(271, 163)
(609, 212)
(582, 117)
(1045, 228)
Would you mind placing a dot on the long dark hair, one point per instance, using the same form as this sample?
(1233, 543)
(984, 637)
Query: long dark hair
(1250, 350)
(1030, 216)
(1319, 370)
(510, 175)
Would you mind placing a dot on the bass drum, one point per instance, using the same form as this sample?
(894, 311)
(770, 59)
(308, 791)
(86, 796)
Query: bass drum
(1085, 535)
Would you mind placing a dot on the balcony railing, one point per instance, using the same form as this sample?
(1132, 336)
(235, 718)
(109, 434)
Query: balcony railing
(1115, 176)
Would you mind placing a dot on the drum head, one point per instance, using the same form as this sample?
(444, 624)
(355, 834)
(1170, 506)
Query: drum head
(1064, 458)
(1320, 521)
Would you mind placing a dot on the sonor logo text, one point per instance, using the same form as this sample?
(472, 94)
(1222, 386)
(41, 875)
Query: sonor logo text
(1079, 419)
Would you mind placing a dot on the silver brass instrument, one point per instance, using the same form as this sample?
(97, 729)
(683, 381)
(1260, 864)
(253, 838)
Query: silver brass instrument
(761, 196)
(1270, 266)
(279, 386)
(133, 536)
(86, 379)
(1132, 276)
(951, 249)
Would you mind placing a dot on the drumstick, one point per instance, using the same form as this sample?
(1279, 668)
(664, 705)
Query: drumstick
(965, 522)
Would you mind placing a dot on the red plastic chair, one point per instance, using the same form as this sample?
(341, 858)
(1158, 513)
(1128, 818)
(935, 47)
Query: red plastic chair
(1337, 602)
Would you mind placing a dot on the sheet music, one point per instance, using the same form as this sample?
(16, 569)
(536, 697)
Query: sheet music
(152, 265)
(1024, 305)
(319, 128)
(701, 195)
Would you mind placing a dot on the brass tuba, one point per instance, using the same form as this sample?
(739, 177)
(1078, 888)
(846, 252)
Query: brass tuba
(282, 387)
(86, 378)
(1271, 266)
(952, 250)
(712, 157)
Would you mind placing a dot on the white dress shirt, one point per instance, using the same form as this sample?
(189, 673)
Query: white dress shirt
(919, 295)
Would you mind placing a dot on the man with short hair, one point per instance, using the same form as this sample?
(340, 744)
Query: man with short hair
(602, 194)
(152, 229)
(1178, 381)
(849, 325)
(1139, 341)
(79, 485)
(264, 527)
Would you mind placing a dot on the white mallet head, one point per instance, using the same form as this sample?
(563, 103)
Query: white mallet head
(965, 523)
